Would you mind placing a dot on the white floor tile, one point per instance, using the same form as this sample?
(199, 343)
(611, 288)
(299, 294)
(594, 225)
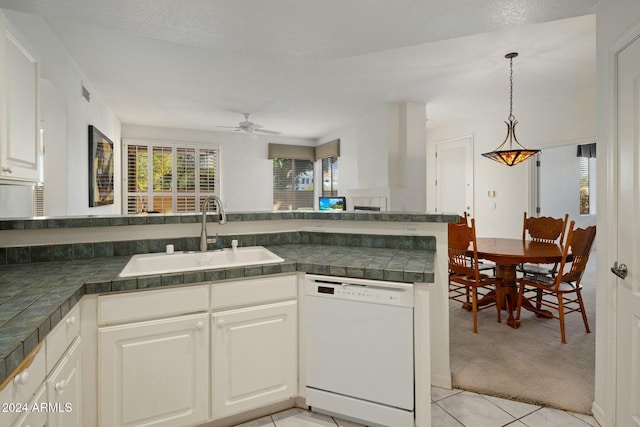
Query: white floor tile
(438, 393)
(345, 423)
(441, 418)
(475, 410)
(516, 424)
(587, 419)
(517, 409)
(301, 418)
(549, 417)
(262, 422)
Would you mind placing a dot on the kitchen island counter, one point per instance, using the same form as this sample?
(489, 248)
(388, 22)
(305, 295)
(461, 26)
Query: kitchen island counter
(35, 296)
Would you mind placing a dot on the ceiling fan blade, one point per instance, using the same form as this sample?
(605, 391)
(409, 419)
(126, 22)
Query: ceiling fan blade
(227, 127)
(265, 131)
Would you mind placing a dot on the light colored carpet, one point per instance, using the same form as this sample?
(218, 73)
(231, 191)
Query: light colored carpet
(528, 364)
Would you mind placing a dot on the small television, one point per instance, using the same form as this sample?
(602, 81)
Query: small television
(333, 204)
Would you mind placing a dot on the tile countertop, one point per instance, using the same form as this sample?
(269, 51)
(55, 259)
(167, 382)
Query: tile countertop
(35, 296)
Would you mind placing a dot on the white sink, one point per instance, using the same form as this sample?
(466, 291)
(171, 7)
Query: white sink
(161, 263)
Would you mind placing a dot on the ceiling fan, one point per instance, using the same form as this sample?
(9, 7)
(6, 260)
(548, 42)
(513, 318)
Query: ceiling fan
(249, 127)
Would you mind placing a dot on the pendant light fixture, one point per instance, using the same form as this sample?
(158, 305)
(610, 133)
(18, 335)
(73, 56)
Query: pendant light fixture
(507, 153)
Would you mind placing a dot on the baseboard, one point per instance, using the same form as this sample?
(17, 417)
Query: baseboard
(598, 414)
(442, 381)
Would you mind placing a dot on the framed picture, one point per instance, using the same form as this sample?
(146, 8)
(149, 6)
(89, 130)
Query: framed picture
(101, 165)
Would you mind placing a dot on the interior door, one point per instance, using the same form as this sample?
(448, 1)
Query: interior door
(628, 185)
(454, 176)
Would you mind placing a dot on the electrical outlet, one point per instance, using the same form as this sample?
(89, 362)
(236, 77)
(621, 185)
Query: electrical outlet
(408, 228)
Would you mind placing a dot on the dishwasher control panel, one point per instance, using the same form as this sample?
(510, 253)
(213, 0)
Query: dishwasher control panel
(371, 291)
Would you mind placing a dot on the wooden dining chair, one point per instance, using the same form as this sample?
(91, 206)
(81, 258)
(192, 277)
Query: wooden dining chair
(542, 229)
(482, 264)
(562, 293)
(466, 282)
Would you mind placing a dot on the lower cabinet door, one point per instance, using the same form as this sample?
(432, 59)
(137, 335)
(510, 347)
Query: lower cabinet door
(37, 414)
(154, 373)
(254, 352)
(64, 390)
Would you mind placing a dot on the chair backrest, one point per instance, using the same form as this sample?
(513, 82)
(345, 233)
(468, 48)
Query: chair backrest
(576, 251)
(461, 238)
(463, 219)
(545, 228)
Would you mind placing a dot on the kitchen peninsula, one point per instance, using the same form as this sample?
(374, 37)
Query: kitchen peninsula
(48, 265)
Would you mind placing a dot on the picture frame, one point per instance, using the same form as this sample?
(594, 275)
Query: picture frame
(101, 168)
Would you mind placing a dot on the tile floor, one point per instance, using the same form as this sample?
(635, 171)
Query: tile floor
(450, 408)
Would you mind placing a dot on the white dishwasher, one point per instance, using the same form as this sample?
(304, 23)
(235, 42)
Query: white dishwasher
(359, 350)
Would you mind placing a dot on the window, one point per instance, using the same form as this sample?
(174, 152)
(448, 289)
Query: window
(330, 176)
(165, 177)
(292, 184)
(586, 180)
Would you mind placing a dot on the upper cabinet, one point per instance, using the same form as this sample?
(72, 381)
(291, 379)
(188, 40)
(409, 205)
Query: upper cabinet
(18, 107)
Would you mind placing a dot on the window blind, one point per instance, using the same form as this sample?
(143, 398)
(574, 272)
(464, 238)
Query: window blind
(292, 184)
(166, 177)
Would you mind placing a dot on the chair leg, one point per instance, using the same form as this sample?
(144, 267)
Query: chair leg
(539, 299)
(499, 297)
(561, 317)
(474, 308)
(519, 303)
(583, 312)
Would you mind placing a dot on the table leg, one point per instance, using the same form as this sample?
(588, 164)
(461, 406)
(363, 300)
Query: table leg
(509, 295)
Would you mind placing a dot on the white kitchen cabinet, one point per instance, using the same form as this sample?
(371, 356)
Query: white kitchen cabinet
(64, 390)
(35, 417)
(254, 357)
(19, 135)
(16, 397)
(155, 372)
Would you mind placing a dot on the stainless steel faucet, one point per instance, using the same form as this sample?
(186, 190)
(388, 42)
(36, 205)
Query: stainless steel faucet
(222, 219)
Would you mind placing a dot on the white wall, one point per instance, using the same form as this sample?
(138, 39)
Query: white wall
(66, 135)
(246, 173)
(559, 183)
(16, 201)
(617, 22)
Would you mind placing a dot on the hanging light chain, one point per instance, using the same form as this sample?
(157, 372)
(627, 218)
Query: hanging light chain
(511, 56)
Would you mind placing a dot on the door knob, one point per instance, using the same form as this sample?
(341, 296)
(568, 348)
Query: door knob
(620, 270)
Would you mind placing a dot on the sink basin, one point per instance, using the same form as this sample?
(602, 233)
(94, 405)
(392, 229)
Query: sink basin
(162, 263)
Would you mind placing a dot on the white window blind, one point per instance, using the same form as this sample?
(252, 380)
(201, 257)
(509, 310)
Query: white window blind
(292, 184)
(330, 176)
(584, 186)
(38, 200)
(166, 177)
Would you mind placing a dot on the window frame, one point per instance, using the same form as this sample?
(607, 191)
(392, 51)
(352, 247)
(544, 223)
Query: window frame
(150, 194)
(296, 196)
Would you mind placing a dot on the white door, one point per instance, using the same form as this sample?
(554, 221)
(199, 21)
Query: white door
(628, 323)
(254, 352)
(155, 373)
(454, 176)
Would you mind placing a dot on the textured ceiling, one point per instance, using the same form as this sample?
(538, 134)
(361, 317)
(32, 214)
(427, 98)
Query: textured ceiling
(308, 67)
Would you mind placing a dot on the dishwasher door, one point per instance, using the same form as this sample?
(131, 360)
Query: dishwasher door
(359, 340)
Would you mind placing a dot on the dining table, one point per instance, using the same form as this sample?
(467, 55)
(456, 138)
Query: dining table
(507, 254)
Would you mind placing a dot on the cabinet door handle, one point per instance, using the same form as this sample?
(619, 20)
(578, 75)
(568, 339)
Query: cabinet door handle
(7, 169)
(220, 323)
(22, 378)
(71, 320)
(59, 386)
(200, 325)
